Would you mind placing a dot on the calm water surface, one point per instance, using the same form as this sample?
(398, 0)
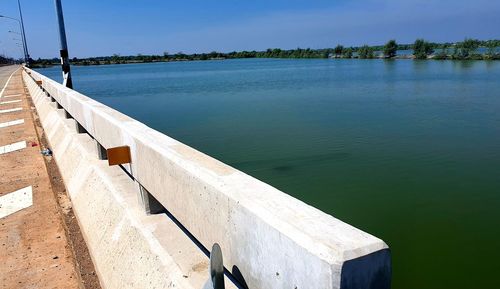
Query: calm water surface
(406, 150)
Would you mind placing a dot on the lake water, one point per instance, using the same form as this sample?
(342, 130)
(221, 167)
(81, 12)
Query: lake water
(408, 151)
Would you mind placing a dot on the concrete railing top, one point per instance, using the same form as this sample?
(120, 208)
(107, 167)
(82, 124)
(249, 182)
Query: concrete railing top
(273, 239)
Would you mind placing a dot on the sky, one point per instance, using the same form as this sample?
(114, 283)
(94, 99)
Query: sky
(126, 27)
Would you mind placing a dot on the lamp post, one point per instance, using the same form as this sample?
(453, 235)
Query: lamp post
(26, 55)
(23, 34)
(17, 39)
(67, 81)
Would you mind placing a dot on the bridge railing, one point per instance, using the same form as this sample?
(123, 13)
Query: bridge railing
(272, 239)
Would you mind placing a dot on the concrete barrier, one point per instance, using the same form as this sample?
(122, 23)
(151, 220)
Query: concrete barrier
(129, 248)
(272, 239)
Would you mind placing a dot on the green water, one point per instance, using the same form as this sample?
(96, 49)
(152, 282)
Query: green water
(408, 151)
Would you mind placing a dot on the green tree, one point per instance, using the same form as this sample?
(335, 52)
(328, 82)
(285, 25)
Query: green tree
(348, 53)
(365, 52)
(338, 50)
(213, 54)
(466, 48)
(7, 60)
(422, 49)
(115, 58)
(390, 49)
(492, 47)
(276, 52)
(443, 53)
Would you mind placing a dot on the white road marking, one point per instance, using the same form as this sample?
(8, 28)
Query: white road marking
(11, 123)
(13, 95)
(10, 101)
(12, 147)
(10, 110)
(16, 201)
(7, 82)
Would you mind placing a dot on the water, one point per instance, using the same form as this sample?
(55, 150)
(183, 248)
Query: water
(406, 150)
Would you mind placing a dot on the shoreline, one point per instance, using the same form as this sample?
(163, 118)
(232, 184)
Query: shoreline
(478, 57)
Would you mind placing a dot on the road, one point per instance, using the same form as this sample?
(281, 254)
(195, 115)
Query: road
(5, 72)
(38, 231)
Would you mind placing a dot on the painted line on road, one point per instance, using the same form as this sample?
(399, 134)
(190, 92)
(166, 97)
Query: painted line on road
(10, 101)
(12, 147)
(7, 82)
(13, 95)
(11, 123)
(10, 110)
(16, 201)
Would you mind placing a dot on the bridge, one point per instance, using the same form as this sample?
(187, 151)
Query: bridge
(156, 213)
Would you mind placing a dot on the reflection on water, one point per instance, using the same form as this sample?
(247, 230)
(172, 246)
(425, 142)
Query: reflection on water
(467, 64)
(406, 150)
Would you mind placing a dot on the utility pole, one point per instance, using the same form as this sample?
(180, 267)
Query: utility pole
(64, 46)
(25, 44)
(21, 30)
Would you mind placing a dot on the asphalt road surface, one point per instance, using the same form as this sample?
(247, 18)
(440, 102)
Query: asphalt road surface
(5, 72)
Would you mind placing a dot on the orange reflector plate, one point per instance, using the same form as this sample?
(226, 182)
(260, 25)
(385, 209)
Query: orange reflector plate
(119, 155)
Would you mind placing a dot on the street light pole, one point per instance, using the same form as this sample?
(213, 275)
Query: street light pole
(24, 35)
(23, 51)
(64, 46)
(26, 56)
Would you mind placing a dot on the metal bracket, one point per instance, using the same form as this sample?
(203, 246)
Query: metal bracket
(80, 128)
(102, 153)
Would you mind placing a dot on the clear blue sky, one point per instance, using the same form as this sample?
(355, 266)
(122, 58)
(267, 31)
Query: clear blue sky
(105, 27)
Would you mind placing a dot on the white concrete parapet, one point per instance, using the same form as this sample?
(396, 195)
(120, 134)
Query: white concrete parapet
(273, 239)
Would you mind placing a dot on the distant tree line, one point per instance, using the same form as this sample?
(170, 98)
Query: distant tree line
(422, 49)
(4, 60)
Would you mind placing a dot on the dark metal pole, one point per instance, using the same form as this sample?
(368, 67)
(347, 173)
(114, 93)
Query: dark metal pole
(27, 55)
(64, 46)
